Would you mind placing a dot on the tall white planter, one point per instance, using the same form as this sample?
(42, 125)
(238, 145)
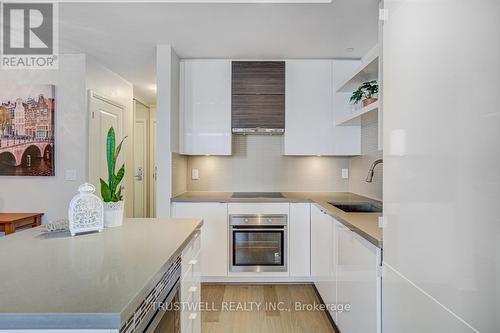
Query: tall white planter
(113, 214)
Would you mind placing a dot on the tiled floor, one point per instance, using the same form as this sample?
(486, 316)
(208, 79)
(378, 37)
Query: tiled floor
(261, 308)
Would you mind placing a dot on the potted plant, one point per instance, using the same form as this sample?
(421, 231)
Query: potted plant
(365, 93)
(111, 191)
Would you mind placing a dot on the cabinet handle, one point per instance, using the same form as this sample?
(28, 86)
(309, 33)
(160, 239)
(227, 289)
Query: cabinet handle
(193, 262)
(193, 289)
(192, 316)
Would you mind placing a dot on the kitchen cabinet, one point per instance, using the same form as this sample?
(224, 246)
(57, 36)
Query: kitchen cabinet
(309, 118)
(258, 94)
(358, 282)
(345, 270)
(205, 107)
(321, 243)
(214, 238)
(300, 240)
(258, 78)
(322, 255)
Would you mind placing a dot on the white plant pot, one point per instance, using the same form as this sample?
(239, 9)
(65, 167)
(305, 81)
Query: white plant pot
(113, 214)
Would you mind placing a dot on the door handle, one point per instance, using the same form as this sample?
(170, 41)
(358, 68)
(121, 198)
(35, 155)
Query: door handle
(139, 174)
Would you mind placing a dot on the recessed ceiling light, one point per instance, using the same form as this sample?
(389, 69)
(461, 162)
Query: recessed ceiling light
(350, 49)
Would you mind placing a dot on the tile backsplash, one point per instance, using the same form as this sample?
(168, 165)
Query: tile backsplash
(257, 164)
(361, 164)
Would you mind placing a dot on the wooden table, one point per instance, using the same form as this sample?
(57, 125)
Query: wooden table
(9, 222)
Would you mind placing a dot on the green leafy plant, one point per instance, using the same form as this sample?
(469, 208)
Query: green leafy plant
(112, 190)
(367, 90)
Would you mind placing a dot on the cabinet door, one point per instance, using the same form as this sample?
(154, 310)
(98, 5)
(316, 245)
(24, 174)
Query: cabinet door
(214, 234)
(300, 239)
(205, 107)
(322, 255)
(258, 78)
(321, 243)
(309, 123)
(357, 283)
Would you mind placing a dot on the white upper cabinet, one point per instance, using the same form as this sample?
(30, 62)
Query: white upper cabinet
(205, 107)
(309, 102)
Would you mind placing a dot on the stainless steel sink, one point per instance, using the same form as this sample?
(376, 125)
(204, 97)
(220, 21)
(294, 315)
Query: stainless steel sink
(359, 207)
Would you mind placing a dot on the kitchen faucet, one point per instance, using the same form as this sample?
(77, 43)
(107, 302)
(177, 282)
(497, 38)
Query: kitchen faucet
(369, 177)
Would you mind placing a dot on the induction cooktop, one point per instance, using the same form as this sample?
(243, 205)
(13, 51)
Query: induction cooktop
(245, 195)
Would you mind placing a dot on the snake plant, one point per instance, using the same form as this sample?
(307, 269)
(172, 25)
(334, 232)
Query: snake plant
(112, 190)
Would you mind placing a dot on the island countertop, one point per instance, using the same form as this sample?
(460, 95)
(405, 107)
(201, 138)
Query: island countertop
(91, 281)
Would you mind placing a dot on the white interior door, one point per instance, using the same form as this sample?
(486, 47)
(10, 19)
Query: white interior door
(141, 162)
(104, 113)
(152, 162)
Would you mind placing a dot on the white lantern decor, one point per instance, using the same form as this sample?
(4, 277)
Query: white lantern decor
(86, 211)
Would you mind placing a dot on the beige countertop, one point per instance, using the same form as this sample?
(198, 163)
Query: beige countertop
(91, 281)
(364, 224)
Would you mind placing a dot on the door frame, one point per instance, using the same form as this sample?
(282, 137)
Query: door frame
(91, 96)
(146, 172)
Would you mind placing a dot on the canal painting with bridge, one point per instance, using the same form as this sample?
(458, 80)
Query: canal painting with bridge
(27, 115)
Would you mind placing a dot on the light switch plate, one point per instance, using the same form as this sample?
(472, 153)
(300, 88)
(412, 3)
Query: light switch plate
(345, 173)
(70, 175)
(195, 174)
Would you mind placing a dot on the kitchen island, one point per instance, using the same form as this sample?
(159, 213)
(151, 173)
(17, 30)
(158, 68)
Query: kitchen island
(94, 281)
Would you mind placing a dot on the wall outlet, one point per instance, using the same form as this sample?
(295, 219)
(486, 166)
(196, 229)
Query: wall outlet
(70, 175)
(345, 173)
(195, 174)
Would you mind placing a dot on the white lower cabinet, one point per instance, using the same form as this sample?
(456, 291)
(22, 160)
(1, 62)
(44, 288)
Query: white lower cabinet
(191, 287)
(344, 268)
(321, 244)
(322, 255)
(358, 283)
(214, 236)
(299, 244)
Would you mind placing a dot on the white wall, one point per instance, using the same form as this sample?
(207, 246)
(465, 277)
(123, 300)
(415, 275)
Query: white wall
(109, 84)
(441, 166)
(76, 74)
(51, 195)
(167, 78)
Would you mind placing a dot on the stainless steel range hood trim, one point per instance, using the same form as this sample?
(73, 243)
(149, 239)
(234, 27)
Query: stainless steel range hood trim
(258, 130)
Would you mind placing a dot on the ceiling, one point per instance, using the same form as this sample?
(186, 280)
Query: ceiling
(123, 36)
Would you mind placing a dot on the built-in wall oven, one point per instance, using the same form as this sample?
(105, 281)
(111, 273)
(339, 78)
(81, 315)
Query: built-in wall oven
(258, 243)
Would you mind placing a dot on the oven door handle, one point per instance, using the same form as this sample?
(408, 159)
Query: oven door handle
(258, 229)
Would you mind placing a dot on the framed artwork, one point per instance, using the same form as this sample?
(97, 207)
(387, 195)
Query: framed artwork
(27, 142)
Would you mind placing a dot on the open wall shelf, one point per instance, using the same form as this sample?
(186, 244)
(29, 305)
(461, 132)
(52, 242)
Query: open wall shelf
(368, 70)
(353, 118)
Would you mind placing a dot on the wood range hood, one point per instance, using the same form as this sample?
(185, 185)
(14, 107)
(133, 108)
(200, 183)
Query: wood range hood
(258, 97)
